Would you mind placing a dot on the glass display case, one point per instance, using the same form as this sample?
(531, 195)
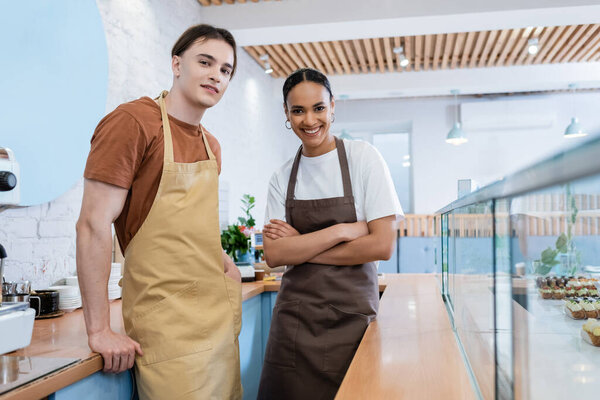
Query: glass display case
(519, 268)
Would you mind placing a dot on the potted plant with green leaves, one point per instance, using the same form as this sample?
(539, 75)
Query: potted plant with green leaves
(570, 257)
(235, 240)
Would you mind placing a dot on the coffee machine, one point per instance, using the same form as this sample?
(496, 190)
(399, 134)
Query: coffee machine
(9, 178)
(16, 319)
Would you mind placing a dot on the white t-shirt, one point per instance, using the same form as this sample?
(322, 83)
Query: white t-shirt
(321, 177)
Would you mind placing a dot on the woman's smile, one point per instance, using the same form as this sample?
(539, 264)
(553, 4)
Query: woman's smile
(312, 131)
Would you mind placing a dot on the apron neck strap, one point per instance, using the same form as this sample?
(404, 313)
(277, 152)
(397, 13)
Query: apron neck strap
(292, 182)
(167, 131)
(342, 158)
(339, 143)
(211, 156)
(166, 127)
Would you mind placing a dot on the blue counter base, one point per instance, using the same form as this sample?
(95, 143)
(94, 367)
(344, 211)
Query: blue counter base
(98, 386)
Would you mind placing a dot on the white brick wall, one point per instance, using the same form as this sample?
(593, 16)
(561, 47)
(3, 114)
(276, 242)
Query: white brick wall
(40, 240)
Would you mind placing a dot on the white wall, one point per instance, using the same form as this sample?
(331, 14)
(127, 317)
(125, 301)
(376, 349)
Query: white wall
(40, 240)
(489, 155)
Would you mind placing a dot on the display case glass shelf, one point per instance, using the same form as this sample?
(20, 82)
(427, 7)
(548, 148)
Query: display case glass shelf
(519, 268)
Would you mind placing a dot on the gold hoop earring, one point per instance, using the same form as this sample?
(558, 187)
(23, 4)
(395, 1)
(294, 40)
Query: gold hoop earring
(286, 124)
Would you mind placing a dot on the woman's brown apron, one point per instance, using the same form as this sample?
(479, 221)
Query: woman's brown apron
(322, 311)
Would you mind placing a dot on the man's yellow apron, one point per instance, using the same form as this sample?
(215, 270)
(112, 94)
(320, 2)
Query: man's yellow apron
(177, 301)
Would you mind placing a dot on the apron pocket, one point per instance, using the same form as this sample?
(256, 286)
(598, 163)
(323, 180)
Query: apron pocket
(173, 327)
(234, 292)
(344, 333)
(281, 347)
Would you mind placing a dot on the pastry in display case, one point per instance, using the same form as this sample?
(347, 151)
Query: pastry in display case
(590, 331)
(560, 287)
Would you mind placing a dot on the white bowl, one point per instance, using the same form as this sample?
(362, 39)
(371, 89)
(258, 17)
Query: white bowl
(69, 305)
(66, 290)
(72, 281)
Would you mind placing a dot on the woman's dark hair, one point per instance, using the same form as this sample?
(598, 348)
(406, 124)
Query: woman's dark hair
(305, 74)
(204, 32)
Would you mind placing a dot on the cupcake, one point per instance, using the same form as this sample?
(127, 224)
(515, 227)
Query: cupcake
(540, 281)
(592, 328)
(575, 309)
(582, 292)
(546, 293)
(558, 293)
(589, 308)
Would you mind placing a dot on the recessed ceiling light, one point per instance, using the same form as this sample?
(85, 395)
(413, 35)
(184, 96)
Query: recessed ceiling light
(267, 64)
(533, 46)
(402, 60)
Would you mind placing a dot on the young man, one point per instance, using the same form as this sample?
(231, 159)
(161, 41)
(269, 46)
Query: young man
(153, 171)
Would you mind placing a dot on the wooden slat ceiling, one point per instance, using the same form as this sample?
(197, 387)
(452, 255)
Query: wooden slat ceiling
(506, 47)
(219, 2)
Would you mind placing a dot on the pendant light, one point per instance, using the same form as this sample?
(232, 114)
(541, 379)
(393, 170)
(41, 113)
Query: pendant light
(456, 136)
(574, 130)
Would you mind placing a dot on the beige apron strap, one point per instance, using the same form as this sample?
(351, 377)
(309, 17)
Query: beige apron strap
(166, 128)
(211, 156)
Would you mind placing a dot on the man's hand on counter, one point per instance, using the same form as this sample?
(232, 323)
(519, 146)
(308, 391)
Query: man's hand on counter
(118, 351)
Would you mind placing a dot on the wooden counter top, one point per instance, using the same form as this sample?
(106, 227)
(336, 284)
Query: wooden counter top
(409, 352)
(66, 337)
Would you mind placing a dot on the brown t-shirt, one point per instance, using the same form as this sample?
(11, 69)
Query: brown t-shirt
(127, 151)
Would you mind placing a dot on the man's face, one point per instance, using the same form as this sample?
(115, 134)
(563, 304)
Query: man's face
(203, 71)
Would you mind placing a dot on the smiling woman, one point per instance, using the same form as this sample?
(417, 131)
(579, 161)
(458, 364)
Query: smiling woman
(331, 214)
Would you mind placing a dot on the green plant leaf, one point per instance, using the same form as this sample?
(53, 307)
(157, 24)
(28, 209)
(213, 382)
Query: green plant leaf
(561, 243)
(548, 255)
(543, 269)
